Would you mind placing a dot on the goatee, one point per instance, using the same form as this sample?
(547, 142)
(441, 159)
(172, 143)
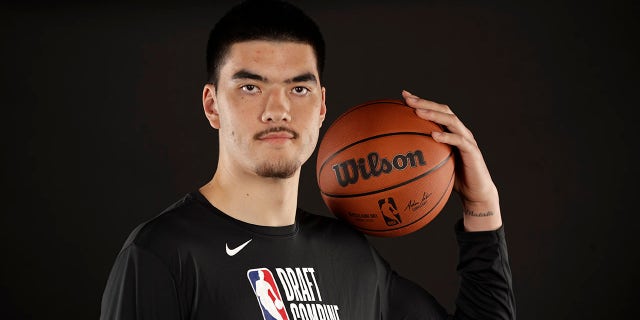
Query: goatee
(278, 170)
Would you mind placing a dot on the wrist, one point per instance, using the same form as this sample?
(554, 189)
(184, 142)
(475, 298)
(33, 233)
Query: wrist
(481, 216)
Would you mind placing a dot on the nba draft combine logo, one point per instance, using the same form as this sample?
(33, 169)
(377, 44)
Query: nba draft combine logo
(267, 293)
(301, 293)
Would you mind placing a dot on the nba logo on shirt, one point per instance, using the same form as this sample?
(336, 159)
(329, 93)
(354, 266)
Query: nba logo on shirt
(268, 294)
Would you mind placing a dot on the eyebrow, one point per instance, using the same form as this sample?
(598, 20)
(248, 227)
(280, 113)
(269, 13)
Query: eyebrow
(244, 74)
(307, 77)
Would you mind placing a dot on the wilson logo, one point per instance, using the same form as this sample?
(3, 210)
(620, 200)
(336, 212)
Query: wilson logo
(350, 171)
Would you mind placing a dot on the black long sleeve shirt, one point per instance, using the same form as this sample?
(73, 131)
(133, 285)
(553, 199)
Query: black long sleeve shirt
(194, 262)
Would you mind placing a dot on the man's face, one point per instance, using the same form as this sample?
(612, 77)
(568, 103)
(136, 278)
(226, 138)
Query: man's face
(270, 106)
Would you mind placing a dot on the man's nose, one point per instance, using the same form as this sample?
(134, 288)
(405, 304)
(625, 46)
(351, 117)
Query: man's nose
(277, 108)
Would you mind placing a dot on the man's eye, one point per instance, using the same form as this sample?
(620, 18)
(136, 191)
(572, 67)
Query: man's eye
(300, 90)
(249, 88)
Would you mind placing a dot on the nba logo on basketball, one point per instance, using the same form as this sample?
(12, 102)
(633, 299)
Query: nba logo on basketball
(389, 211)
(267, 293)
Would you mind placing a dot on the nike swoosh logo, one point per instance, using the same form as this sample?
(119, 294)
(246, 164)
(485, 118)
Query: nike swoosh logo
(233, 252)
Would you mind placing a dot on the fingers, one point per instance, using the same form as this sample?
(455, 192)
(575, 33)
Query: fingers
(422, 104)
(458, 134)
(453, 139)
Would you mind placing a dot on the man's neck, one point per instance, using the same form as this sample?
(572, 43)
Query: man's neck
(253, 199)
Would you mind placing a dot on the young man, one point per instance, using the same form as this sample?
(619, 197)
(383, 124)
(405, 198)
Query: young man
(239, 248)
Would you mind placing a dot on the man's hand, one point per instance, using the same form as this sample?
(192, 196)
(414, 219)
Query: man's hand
(473, 183)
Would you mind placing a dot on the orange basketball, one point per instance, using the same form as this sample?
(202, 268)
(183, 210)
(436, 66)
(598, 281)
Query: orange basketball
(379, 169)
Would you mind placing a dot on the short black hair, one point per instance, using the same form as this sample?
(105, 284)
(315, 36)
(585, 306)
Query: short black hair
(261, 20)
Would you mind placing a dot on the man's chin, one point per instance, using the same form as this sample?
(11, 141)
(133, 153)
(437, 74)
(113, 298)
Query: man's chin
(278, 170)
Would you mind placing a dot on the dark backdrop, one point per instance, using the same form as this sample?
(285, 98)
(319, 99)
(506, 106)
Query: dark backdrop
(102, 128)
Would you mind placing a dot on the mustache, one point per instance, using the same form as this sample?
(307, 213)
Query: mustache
(263, 133)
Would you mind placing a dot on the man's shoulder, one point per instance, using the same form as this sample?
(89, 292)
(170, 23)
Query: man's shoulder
(172, 226)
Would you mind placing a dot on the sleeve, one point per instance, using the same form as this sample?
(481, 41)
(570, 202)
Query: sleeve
(140, 286)
(485, 285)
(486, 290)
(401, 299)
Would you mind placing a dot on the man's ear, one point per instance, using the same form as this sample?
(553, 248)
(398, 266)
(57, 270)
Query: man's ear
(210, 105)
(323, 107)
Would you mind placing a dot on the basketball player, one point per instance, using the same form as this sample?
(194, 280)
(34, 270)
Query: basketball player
(197, 259)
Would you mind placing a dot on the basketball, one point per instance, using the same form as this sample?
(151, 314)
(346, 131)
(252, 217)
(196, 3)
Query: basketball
(379, 169)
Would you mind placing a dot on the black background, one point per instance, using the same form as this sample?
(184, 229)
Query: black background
(102, 128)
